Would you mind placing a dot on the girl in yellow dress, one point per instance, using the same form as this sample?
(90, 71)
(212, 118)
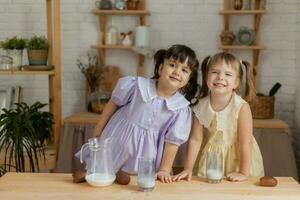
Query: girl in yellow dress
(223, 121)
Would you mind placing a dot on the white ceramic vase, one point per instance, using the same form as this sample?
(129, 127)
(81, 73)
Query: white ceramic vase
(17, 56)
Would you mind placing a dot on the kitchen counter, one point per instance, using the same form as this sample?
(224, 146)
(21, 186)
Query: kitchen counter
(55, 186)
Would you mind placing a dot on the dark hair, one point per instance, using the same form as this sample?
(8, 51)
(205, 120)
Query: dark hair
(236, 65)
(180, 53)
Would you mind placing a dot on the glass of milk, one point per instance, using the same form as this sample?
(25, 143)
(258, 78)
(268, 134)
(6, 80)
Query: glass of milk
(214, 167)
(146, 174)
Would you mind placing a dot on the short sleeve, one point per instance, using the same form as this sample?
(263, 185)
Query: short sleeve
(178, 132)
(123, 92)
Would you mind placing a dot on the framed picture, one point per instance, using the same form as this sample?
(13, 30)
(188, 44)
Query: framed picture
(8, 96)
(16, 90)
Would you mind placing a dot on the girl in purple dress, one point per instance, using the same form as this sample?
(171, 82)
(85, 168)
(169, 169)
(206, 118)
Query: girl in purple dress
(151, 117)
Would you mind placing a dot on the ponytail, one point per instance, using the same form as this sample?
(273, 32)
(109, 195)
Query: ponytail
(159, 57)
(204, 69)
(250, 94)
(192, 87)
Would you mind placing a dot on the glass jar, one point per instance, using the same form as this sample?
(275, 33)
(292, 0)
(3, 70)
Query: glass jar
(238, 4)
(6, 62)
(247, 4)
(104, 4)
(132, 4)
(111, 36)
(262, 5)
(97, 101)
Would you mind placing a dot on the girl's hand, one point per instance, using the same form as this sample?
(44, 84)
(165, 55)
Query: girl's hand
(236, 176)
(185, 174)
(164, 176)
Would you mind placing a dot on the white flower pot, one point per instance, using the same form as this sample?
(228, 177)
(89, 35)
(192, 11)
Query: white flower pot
(17, 56)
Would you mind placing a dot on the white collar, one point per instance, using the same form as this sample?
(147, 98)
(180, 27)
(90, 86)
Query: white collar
(225, 118)
(147, 88)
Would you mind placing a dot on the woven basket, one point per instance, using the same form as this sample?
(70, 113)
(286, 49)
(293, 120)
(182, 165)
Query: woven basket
(227, 41)
(263, 108)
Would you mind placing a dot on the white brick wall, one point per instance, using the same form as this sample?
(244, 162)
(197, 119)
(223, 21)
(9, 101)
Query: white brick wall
(195, 23)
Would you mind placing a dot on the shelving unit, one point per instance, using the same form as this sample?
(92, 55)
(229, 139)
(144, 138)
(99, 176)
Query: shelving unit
(102, 14)
(257, 13)
(54, 38)
(19, 72)
(54, 76)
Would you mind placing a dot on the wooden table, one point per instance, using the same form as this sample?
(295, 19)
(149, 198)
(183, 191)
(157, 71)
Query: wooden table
(47, 186)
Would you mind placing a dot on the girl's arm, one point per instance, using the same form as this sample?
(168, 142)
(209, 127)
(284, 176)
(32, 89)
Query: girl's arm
(245, 132)
(168, 157)
(109, 109)
(193, 148)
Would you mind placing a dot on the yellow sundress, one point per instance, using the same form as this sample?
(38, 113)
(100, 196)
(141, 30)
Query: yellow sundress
(220, 135)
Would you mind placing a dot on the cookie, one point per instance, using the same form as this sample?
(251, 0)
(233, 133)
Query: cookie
(268, 181)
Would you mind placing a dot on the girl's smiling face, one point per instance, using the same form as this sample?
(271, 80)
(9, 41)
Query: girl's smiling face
(222, 78)
(174, 74)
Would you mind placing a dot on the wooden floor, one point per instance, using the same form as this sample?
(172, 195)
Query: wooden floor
(45, 166)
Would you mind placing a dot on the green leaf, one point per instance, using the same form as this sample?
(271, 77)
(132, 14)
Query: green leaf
(24, 129)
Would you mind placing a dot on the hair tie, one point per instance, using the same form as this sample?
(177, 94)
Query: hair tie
(241, 62)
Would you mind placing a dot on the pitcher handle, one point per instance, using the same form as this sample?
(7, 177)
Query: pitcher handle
(81, 150)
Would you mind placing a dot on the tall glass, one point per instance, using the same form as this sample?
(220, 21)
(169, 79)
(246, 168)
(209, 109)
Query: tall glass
(146, 174)
(214, 167)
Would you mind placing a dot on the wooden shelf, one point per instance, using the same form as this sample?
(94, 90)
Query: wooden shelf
(120, 12)
(257, 12)
(242, 12)
(26, 72)
(53, 21)
(140, 14)
(111, 47)
(253, 47)
(53, 13)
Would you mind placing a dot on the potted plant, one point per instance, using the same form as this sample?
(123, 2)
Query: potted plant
(23, 133)
(14, 48)
(37, 50)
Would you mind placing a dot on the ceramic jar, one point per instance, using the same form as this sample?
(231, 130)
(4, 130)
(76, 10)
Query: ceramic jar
(238, 4)
(111, 36)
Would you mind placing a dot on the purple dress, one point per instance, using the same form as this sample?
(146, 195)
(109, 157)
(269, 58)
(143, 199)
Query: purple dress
(144, 122)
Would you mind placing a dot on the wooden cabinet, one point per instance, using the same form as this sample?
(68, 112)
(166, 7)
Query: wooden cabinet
(54, 76)
(256, 11)
(141, 13)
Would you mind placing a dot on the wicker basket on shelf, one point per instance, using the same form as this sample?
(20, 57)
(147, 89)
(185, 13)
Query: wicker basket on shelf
(263, 107)
(227, 37)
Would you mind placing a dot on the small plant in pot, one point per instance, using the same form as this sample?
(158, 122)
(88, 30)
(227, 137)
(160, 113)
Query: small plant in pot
(37, 50)
(14, 48)
(23, 133)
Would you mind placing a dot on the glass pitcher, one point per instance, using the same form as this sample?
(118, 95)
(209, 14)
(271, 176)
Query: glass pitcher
(99, 168)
